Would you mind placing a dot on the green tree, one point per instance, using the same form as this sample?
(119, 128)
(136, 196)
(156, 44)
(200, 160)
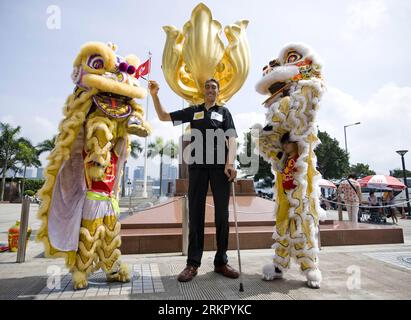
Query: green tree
(332, 161)
(8, 150)
(28, 157)
(264, 167)
(398, 173)
(161, 148)
(135, 151)
(361, 170)
(46, 145)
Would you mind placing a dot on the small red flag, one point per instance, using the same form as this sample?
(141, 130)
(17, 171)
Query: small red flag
(143, 69)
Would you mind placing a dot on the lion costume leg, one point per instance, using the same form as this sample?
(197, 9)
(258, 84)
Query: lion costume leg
(294, 238)
(99, 243)
(281, 236)
(306, 255)
(91, 232)
(109, 253)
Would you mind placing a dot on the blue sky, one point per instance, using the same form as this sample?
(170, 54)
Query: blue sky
(362, 43)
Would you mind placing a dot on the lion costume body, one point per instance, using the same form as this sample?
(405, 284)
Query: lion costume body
(295, 86)
(79, 209)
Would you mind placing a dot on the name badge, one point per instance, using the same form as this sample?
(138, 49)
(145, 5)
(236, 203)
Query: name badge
(198, 115)
(216, 116)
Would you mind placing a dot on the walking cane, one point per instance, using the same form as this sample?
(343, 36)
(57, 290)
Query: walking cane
(238, 239)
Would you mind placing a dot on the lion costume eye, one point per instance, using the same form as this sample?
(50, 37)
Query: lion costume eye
(293, 57)
(95, 62)
(274, 63)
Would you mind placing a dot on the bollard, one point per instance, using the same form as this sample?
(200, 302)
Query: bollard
(184, 225)
(24, 223)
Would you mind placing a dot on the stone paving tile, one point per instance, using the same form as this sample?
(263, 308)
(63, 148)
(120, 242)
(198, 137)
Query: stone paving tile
(146, 280)
(399, 259)
(91, 292)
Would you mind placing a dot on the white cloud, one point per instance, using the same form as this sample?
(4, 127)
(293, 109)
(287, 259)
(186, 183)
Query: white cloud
(368, 14)
(45, 125)
(365, 17)
(8, 119)
(35, 128)
(385, 121)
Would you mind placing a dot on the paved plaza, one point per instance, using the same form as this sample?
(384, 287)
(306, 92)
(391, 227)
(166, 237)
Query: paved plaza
(379, 272)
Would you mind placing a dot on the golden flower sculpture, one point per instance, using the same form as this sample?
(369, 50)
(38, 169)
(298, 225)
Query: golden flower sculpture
(198, 53)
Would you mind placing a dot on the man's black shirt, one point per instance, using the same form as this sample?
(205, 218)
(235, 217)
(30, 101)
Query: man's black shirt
(215, 123)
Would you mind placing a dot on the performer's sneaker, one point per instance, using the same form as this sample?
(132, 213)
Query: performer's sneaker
(187, 274)
(227, 271)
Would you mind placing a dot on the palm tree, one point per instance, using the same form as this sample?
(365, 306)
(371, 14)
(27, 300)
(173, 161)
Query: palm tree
(46, 145)
(8, 149)
(135, 151)
(28, 156)
(159, 148)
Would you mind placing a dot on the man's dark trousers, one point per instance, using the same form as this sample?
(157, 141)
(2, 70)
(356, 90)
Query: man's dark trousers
(199, 178)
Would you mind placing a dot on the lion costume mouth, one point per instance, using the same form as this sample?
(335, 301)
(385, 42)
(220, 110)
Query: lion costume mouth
(277, 89)
(113, 105)
(276, 79)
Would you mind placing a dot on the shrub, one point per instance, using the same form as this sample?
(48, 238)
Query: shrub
(29, 193)
(33, 184)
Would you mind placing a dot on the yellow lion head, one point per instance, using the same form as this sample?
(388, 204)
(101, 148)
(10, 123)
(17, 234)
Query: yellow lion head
(98, 67)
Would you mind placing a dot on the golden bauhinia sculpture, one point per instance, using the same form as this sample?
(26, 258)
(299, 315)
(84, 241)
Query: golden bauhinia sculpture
(198, 53)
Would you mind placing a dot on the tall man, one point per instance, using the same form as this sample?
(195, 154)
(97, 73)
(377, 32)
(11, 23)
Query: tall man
(213, 150)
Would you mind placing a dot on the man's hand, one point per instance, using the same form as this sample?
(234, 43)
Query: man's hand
(153, 87)
(163, 115)
(230, 172)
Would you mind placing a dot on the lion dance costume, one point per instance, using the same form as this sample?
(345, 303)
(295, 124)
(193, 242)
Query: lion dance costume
(295, 86)
(80, 208)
